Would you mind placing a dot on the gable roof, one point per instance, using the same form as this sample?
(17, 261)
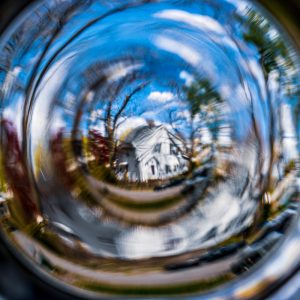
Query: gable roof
(141, 133)
(144, 133)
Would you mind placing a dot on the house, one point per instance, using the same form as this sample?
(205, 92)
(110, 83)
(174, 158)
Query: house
(151, 153)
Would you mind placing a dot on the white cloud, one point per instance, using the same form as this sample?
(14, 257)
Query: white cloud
(95, 114)
(129, 124)
(226, 90)
(199, 21)
(121, 70)
(185, 114)
(209, 25)
(187, 77)
(160, 96)
(184, 51)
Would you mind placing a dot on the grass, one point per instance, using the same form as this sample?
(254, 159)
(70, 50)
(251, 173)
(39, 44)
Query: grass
(178, 289)
(145, 206)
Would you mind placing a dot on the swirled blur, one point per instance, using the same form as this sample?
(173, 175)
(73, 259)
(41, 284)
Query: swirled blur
(147, 147)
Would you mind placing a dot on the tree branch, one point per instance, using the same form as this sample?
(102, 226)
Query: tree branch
(126, 101)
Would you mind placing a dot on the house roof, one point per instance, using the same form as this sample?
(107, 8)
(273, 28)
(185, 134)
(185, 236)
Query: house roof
(143, 133)
(140, 133)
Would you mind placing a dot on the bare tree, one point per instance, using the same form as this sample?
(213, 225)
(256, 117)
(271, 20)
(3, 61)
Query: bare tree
(112, 121)
(114, 96)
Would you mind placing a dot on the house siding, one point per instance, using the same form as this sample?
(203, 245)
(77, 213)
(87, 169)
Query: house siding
(151, 157)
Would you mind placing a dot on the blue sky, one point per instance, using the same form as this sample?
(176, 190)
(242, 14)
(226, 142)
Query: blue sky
(169, 43)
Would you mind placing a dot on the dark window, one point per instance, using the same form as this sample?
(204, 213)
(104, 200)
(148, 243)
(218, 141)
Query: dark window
(153, 170)
(168, 169)
(157, 148)
(173, 149)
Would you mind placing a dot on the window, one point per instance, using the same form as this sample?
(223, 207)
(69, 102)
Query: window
(168, 169)
(157, 148)
(173, 149)
(153, 170)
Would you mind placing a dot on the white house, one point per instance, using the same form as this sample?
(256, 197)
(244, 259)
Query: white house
(151, 153)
